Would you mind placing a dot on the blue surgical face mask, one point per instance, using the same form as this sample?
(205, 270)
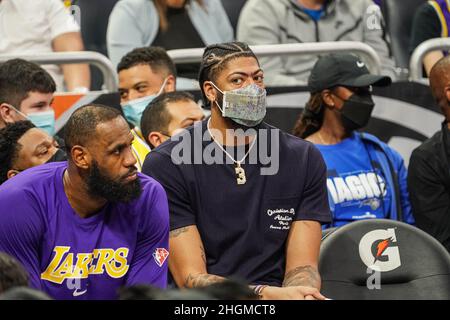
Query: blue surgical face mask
(42, 120)
(134, 109)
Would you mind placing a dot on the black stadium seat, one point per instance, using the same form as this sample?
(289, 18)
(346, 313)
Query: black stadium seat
(94, 23)
(412, 264)
(399, 16)
(233, 9)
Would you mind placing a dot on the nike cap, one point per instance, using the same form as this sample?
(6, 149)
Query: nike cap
(344, 70)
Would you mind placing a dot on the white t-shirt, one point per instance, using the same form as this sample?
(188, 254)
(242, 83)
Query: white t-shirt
(29, 27)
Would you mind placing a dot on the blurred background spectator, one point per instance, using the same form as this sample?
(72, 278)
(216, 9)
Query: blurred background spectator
(26, 93)
(44, 26)
(171, 24)
(12, 273)
(300, 21)
(144, 73)
(23, 146)
(167, 114)
(432, 20)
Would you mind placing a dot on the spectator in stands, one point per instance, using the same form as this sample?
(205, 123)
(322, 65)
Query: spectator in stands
(93, 218)
(144, 73)
(167, 114)
(230, 217)
(366, 178)
(43, 26)
(300, 21)
(26, 92)
(432, 20)
(171, 24)
(429, 167)
(12, 273)
(23, 146)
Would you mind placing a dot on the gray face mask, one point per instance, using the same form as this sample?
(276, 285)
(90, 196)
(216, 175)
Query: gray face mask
(245, 106)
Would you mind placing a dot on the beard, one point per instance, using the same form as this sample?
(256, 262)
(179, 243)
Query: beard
(113, 190)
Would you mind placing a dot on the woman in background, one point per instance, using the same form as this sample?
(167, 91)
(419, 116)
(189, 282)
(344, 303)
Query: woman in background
(171, 24)
(366, 179)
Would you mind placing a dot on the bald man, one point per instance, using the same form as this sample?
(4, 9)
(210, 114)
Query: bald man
(429, 168)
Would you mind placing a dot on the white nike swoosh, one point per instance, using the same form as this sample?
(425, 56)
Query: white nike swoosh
(79, 293)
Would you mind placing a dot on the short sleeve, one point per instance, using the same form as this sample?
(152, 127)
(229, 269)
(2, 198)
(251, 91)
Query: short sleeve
(314, 202)
(161, 168)
(149, 264)
(21, 229)
(60, 19)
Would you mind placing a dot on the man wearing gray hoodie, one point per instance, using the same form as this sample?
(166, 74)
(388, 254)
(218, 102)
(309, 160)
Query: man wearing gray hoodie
(300, 21)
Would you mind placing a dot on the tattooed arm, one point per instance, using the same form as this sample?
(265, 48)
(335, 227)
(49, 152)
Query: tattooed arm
(301, 280)
(302, 255)
(187, 260)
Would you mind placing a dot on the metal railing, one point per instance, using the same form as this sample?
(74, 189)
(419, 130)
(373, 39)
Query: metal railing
(416, 62)
(364, 51)
(94, 58)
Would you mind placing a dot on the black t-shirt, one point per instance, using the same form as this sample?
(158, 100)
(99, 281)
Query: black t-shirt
(426, 25)
(180, 34)
(243, 227)
(429, 187)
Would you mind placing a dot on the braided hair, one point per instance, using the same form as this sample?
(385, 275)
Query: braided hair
(311, 119)
(215, 59)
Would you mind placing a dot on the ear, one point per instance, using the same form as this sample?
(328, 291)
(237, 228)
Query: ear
(156, 138)
(81, 157)
(327, 98)
(447, 94)
(7, 115)
(11, 173)
(210, 91)
(171, 84)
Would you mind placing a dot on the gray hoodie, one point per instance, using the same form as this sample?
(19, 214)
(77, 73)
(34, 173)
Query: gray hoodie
(284, 21)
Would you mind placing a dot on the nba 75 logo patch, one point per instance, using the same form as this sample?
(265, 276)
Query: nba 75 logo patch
(160, 255)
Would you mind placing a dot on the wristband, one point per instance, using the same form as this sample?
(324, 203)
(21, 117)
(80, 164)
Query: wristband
(258, 290)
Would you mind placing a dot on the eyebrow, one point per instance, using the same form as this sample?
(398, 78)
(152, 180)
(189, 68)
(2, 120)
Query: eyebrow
(139, 83)
(120, 145)
(245, 74)
(42, 103)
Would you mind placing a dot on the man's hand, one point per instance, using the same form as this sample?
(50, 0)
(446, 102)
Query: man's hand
(291, 293)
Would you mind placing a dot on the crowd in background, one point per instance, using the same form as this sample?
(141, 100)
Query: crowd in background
(361, 177)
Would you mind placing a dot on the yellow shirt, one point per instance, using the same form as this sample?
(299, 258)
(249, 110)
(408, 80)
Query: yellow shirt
(139, 147)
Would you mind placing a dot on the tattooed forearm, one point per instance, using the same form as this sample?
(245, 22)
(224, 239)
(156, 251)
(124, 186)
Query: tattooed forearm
(175, 233)
(203, 254)
(201, 280)
(307, 276)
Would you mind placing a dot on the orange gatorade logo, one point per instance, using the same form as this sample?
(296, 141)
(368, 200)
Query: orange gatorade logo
(66, 265)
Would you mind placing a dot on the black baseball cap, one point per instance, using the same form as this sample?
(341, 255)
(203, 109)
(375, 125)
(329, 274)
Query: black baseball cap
(345, 70)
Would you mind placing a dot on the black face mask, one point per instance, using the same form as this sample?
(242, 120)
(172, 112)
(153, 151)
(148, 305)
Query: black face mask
(59, 155)
(356, 112)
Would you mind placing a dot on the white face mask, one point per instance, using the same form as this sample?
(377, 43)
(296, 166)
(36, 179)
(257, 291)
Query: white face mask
(134, 109)
(245, 106)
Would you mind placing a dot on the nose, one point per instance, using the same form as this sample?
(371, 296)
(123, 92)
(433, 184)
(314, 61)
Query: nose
(129, 159)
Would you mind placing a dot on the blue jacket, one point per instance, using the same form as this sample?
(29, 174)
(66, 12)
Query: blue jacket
(395, 173)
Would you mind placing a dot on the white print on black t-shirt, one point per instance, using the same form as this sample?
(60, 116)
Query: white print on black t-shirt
(265, 152)
(362, 187)
(282, 218)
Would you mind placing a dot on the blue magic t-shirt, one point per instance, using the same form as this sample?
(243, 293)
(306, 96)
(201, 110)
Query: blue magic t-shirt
(357, 188)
